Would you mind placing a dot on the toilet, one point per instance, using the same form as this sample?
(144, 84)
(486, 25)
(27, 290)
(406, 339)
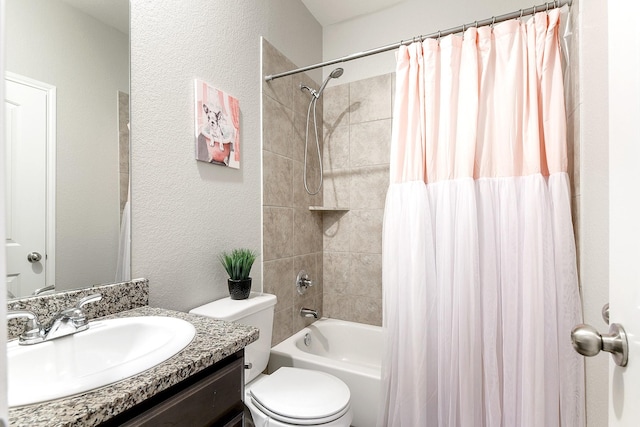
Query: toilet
(289, 396)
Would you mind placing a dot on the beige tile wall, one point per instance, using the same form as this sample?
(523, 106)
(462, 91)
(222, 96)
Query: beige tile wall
(292, 235)
(357, 132)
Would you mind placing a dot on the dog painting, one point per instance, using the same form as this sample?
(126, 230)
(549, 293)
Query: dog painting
(217, 126)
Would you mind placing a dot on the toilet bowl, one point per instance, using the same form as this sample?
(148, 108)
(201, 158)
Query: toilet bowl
(289, 396)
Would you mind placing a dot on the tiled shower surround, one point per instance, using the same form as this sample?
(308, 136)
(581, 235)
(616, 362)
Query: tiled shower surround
(292, 233)
(341, 250)
(357, 137)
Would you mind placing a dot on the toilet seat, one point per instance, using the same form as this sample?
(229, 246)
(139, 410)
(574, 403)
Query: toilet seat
(301, 397)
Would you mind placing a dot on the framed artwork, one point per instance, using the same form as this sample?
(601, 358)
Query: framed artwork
(217, 126)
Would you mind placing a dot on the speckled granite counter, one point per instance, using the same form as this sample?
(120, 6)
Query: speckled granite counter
(214, 341)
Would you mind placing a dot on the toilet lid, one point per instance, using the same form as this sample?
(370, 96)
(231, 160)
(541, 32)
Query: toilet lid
(300, 396)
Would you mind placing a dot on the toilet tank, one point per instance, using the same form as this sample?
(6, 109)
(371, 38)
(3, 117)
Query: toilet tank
(257, 310)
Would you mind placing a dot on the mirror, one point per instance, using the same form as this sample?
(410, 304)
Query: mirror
(67, 64)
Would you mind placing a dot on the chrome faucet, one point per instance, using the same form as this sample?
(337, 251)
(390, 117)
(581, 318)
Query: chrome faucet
(65, 322)
(70, 320)
(307, 312)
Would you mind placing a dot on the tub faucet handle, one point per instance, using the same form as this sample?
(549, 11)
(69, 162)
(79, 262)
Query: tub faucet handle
(303, 282)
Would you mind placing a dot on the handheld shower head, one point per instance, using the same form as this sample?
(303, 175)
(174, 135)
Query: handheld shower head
(312, 105)
(333, 75)
(336, 73)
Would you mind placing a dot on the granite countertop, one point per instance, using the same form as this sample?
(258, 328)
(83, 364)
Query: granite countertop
(214, 340)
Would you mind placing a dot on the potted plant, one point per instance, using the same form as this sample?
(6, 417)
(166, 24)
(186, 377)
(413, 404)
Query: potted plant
(238, 264)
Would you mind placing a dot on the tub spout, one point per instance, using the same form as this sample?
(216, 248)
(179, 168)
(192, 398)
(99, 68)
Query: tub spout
(307, 312)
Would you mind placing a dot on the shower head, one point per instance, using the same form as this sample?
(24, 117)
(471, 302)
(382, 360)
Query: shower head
(336, 73)
(333, 75)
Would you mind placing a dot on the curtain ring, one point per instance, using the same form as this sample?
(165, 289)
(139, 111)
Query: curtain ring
(493, 22)
(476, 24)
(439, 34)
(547, 9)
(521, 13)
(464, 28)
(534, 14)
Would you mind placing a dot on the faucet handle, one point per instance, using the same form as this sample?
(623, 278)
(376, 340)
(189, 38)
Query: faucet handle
(45, 289)
(76, 314)
(33, 331)
(303, 282)
(88, 299)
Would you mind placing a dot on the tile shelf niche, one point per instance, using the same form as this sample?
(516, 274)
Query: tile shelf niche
(327, 209)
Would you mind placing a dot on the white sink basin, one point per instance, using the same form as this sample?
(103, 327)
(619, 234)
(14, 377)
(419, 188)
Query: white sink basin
(109, 351)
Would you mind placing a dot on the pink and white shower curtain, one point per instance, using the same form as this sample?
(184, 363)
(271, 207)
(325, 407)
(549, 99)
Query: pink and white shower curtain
(480, 282)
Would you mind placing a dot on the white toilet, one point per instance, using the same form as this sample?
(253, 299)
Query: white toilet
(289, 396)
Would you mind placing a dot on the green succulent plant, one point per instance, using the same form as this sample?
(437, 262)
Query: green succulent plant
(238, 262)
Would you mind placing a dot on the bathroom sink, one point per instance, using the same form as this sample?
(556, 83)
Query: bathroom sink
(109, 351)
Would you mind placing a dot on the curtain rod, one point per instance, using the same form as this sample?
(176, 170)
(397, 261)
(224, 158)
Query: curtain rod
(490, 21)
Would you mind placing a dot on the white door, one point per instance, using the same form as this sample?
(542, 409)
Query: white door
(624, 205)
(29, 131)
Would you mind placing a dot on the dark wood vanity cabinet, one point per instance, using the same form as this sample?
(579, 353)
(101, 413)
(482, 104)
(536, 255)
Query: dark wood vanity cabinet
(212, 397)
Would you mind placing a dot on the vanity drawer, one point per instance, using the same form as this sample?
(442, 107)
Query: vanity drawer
(212, 400)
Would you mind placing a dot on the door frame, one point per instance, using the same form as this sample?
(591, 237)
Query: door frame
(51, 144)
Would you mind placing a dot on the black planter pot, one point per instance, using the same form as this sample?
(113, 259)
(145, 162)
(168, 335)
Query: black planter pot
(239, 289)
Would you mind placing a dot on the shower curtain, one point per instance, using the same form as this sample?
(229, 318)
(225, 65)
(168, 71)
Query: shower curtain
(480, 282)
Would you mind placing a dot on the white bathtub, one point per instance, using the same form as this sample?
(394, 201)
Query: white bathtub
(350, 351)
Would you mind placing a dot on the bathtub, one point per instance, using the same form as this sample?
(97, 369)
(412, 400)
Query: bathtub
(350, 351)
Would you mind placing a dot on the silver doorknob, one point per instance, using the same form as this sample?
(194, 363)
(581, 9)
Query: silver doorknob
(588, 341)
(34, 257)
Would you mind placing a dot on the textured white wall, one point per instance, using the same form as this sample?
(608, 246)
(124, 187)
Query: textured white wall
(185, 212)
(402, 21)
(88, 63)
